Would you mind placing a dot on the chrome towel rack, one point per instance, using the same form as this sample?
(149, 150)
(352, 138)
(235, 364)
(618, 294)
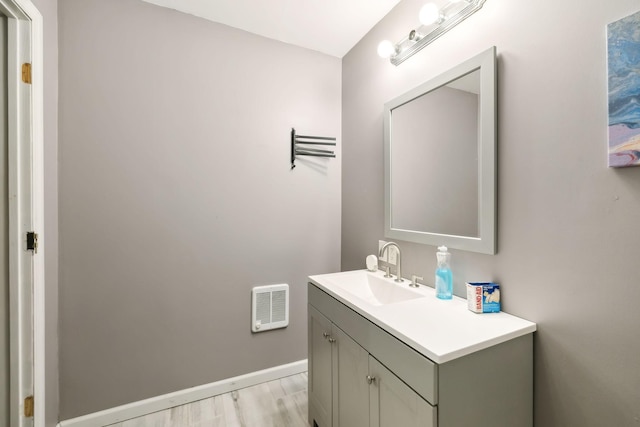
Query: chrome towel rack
(299, 142)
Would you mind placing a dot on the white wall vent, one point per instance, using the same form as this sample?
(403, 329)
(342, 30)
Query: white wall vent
(269, 307)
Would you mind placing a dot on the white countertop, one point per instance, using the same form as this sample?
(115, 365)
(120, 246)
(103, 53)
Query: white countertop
(442, 330)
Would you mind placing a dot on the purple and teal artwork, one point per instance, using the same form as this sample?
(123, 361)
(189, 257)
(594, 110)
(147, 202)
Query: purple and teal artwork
(623, 43)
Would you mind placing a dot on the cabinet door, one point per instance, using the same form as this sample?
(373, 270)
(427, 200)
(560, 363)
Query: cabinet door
(320, 368)
(351, 390)
(393, 403)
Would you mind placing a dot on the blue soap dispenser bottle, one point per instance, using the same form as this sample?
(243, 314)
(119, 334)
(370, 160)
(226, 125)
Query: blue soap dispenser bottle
(444, 278)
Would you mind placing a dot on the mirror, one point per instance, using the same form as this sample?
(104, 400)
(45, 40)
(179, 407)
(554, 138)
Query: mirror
(440, 159)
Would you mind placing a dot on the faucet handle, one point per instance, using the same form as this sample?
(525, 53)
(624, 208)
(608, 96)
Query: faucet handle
(387, 270)
(414, 280)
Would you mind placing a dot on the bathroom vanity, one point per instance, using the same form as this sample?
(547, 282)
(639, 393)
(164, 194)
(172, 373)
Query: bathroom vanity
(384, 354)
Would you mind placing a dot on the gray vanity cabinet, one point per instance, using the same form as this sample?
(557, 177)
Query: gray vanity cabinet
(393, 403)
(320, 368)
(350, 388)
(361, 375)
(338, 369)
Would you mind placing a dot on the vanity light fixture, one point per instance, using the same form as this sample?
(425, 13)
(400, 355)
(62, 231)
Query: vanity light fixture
(435, 20)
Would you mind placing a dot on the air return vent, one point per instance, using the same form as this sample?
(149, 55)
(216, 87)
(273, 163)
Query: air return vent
(269, 307)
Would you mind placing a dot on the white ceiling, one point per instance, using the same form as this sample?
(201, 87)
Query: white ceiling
(329, 26)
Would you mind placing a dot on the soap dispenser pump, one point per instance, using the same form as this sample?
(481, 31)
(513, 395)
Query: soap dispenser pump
(444, 278)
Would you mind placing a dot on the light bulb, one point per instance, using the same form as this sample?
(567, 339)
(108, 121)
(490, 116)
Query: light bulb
(429, 14)
(386, 49)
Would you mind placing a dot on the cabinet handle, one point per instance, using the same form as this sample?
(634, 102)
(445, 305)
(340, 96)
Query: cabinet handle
(325, 335)
(332, 340)
(370, 379)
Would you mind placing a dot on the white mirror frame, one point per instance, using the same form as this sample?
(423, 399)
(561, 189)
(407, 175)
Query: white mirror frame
(485, 242)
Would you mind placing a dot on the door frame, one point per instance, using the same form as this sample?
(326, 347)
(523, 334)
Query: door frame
(26, 210)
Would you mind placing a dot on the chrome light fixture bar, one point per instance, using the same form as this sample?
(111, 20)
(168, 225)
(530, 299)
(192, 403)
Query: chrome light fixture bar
(435, 21)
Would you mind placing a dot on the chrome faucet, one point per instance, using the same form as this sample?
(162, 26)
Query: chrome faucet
(399, 264)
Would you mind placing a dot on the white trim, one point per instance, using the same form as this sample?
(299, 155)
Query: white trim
(26, 209)
(37, 206)
(166, 401)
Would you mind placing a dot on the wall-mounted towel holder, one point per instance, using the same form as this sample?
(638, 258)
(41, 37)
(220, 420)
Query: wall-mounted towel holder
(298, 148)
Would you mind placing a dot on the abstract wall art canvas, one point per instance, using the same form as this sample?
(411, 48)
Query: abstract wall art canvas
(623, 47)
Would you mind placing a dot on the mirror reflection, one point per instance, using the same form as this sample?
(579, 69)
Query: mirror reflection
(448, 116)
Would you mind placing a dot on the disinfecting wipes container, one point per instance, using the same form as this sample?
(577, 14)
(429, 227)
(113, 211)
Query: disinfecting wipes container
(483, 297)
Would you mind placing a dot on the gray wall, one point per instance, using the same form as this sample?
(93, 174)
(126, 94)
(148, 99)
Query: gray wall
(568, 234)
(176, 198)
(49, 11)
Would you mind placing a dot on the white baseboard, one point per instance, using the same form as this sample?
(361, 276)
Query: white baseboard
(166, 401)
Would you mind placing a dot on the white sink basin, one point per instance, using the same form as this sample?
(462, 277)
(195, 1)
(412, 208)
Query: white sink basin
(372, 288)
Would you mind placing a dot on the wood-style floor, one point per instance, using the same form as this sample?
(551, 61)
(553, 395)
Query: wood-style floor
(279, 403)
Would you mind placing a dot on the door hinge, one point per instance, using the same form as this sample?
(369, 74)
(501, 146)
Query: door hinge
(32, 241)
(28, 406)
(26, 73)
